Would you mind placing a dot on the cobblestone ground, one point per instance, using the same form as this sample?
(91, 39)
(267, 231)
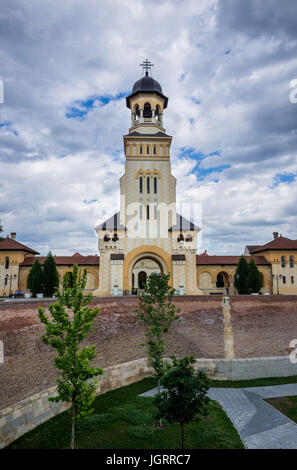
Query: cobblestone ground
(259, 425)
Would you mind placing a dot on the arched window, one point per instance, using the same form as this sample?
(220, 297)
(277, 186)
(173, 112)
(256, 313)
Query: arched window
(115, 237)
(155, 150)
(155, 184)
(147, 110)
(6, 262)
(140, 211)
(220, 280)
(158, 112)
(136, 110)
(147, 150)
(6, 279)
(148, 212)
(140, 184)
(189, 238)
(283, 262)
(140, 150)
(106, 237)
(148, 184)
(180, 238)
(291, 261)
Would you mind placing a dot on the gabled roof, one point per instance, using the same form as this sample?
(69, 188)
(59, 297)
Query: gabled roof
(113, 223)
(279, 243)
(227, 260)
(252, 248)
(183, 224)
(8, 244)
(89, 260)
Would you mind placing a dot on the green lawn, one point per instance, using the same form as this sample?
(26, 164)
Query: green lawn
(123, 420)
(286, 405)
(255, 382)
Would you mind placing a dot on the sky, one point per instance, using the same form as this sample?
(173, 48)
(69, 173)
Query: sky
(226, 66)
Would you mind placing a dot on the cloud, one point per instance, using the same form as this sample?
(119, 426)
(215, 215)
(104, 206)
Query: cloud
(226, 67)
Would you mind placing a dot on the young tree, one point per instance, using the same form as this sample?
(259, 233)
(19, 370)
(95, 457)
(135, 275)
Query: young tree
(184, 398)
(255, 280)
(69, 324)
(241, 276)
(50, 276)
(35, 278)
(157, 312)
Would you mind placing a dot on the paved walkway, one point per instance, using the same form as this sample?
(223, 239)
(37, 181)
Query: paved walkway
(259, 425)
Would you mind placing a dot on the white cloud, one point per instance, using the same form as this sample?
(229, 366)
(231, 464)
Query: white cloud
(236, 60)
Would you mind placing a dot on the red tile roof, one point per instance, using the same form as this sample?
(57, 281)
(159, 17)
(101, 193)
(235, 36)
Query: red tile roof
(89, 260)
(8, 244)
(279, 243)
(207, 260)
(253, 247)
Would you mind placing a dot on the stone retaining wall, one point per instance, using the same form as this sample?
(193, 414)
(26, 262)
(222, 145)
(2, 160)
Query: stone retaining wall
(25, 415)
(248, 368)
(35, 410)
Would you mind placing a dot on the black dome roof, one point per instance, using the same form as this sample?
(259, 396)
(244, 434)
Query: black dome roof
(147, 84)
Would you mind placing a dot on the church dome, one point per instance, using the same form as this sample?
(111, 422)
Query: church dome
(147, 83)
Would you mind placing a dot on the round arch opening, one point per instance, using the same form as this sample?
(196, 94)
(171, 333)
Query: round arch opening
(141, 269)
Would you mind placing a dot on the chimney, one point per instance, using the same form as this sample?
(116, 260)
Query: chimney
(275, 235)
(13, 235)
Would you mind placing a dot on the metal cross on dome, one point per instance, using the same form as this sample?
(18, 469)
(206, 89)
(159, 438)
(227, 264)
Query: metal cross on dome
(146, 65)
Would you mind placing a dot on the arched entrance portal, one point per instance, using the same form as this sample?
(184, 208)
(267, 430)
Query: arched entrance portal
(141, 271)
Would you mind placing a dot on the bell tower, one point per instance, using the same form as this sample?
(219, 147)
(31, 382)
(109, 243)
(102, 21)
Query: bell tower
(148, 184)
(146, 235)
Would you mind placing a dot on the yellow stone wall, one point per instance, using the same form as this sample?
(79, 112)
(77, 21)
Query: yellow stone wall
(92, 276)
(207, 276)
(274, 256)
(15, 259)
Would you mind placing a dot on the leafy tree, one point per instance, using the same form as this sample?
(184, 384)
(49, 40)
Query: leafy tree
(157, 312)
(241, 281)
(35, 278)
(255, 280)
(50, 275)
(69, 324)
(184, 398)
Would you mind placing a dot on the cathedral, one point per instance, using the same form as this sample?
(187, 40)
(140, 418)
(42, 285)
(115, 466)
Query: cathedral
(147, 235)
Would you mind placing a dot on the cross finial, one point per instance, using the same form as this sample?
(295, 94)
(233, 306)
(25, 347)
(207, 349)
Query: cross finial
(146, 65)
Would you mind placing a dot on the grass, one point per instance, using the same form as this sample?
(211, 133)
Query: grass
(123, 420)
(255, 382)
(286, 405)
